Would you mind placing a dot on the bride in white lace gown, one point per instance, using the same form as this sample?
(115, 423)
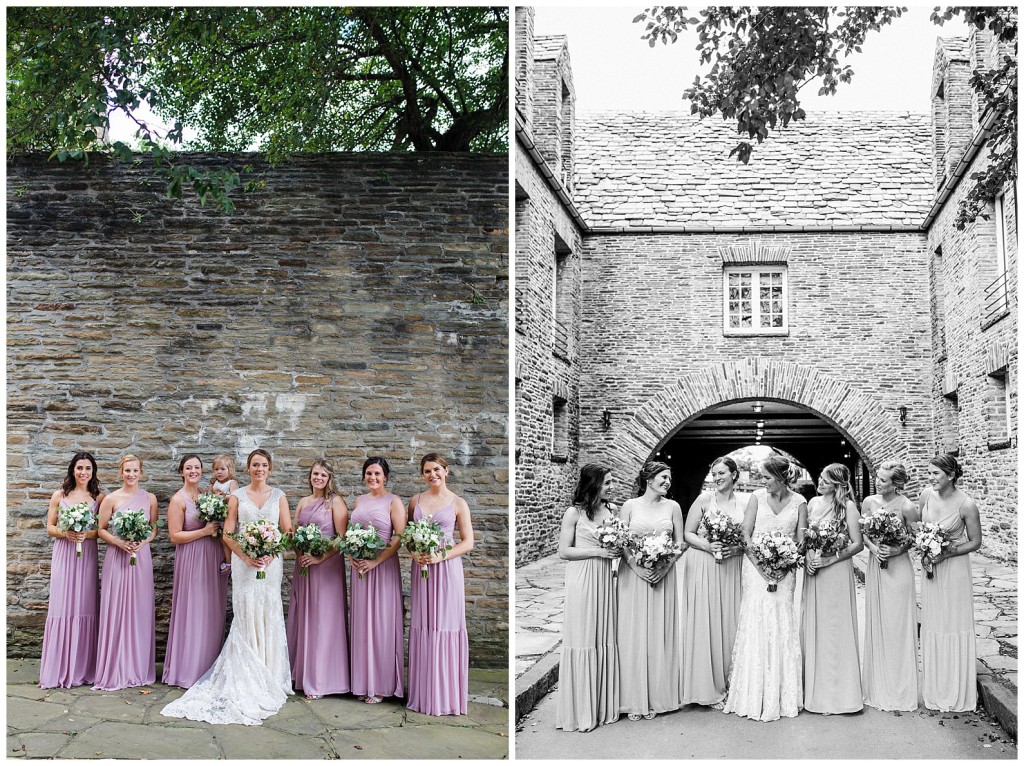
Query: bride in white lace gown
(251, 679)
(765, 682)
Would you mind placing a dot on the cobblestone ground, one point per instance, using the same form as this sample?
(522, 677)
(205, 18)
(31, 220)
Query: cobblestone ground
(539, 588)
(81, 723)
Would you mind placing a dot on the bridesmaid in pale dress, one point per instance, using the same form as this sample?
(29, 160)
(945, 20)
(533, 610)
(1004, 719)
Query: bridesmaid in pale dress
(200, 595)
(438, 643)
(711, 590)
(126, 645)
(317, 636)
(889, 674)
(377, 613)
(648, 622)
(948, 676)
(69, 638)
(828, 625)
(588, 674)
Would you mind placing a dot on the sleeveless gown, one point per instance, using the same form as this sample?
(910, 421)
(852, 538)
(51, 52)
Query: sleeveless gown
(588, 674)
(126, 644)
(889, 675)
(317, 637)
(198, 605)
(377, 613)
(828, 636)
(69, 638)
(949, 676)
(711, 605)
(765, 682)
(250, 680)
(438, 643)
(648, 627)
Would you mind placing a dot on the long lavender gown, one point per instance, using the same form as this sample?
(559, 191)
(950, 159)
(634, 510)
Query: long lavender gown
(317, 638)
(198, 605)
(69, 639)
(378, 621)
(126, 645)
(438, 644)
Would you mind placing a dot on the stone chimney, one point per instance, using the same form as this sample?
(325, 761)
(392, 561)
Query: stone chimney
(524, 66)
(554, 108)
(953, 104)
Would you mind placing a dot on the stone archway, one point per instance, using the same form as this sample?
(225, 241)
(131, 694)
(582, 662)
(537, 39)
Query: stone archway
(852, 412)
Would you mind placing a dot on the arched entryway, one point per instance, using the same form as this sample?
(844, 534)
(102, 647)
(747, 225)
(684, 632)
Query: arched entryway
(836, 409)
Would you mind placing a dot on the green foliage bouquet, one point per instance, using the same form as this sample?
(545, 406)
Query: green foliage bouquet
(80, 517)
(309, 540)
(360, 543)
(212, 507)
(425, 537)
(133, 526)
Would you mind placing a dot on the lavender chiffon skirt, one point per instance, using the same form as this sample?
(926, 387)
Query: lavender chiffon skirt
(438, 645)
(126, 645)
(69, 639)
(378, 627)
(317, 637)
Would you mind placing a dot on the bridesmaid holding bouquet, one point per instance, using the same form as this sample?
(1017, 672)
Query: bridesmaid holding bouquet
(377, 614)
(69, 638)
(126, 654)
(889, 676)
(317, 637)
(588, 674)
(948, 677)
(200, 594)
(438, 644)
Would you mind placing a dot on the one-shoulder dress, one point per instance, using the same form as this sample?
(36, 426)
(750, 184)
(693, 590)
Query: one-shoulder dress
(948, 676)
(588, 674)
(438, 643)
(126, 644)
(198, 605)
(72, 619)
(377, 614)
(317, 637)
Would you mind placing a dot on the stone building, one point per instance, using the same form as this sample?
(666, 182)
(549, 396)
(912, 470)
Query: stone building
(802, 295)
(356, 305)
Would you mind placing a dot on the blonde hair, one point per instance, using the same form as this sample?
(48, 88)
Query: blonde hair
(838, 475)
(329, 490)
(129, 458)
(227, 460)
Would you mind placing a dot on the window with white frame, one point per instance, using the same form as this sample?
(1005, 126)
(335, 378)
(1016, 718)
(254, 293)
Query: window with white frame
(755, 300)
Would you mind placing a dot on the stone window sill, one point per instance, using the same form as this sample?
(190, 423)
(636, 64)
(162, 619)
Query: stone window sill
(556, 458)
(986, 323)
(1004, 444)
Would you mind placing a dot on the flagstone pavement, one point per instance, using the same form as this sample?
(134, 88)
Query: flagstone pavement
(538, 602)
(81, 723)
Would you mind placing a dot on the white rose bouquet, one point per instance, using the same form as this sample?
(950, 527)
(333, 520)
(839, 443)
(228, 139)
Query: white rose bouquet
(309, 540)
(258, 539)
(930, 539)
(776, 554)
(425, 537)
(80, 517)
(651, 550)
(132, 526)
(885, 527)
(212, 507)
(361, 543)
(719, 528)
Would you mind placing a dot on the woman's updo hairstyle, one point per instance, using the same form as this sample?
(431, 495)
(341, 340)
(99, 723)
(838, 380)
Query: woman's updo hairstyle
(729, 463)
(377, 460)
(898, 473)
(949, 465)
(780, 468)
(186, 458)
(651, 469)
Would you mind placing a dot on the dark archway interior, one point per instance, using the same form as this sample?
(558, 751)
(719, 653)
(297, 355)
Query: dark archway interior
(793, 429)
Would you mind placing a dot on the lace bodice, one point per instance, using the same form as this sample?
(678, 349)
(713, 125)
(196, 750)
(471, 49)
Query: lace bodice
(786, 519)
(249, 511)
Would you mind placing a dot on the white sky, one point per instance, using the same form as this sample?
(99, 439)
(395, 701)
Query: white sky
(613, 69)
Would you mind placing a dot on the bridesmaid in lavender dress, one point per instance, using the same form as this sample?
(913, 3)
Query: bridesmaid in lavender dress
(126, 653)
(948, 673)
(199, 599)
(438, 644)
(378, 620)
(69, 639)
(317, 638)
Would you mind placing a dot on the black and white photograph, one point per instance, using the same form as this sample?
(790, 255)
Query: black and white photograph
(257, 382)
(765, 382)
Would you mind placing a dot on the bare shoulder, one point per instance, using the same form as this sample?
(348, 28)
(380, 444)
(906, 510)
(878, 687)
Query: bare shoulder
(57, 495)
(339, 504)
(571, 515)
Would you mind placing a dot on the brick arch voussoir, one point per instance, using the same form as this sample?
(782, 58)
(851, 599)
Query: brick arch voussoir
(855, 413)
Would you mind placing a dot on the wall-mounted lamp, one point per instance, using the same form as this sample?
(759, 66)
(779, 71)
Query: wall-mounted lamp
(757, 406)
(903, 416)
(760, 424)
(846, 455)
(842, 442)
(606, 420)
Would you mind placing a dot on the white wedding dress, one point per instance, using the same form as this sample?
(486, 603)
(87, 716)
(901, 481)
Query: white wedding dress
(765, 682)
(251, 678)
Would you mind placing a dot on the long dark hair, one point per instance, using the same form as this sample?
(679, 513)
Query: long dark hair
(93, 487)
(588, 489)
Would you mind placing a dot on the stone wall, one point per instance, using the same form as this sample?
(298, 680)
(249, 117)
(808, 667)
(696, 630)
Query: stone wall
(355, 304)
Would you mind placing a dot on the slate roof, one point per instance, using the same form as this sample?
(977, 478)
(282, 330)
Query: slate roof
(548, 46)
(673, 170)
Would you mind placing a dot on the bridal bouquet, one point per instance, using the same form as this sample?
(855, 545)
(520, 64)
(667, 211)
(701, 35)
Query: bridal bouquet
(309, 540)
(885, 527)
(360, 543)
(649, 551)
(425, 537)
(613, 534)
(776, 554)
(80, 517)
(929, 541)
(132, 526)
(212, 508)
(258, 539)
(719, 528)
(828, 539)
